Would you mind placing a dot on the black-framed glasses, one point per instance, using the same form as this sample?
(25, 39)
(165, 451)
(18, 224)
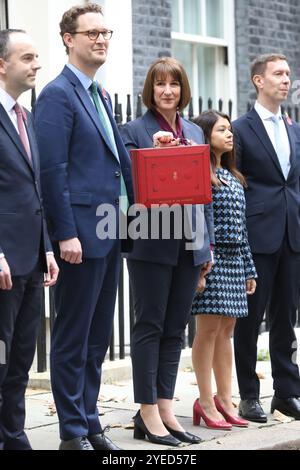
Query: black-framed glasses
(93, 34)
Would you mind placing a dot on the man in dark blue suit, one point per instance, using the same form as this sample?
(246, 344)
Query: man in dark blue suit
(268, 151)
(25, 249)
(84, 164)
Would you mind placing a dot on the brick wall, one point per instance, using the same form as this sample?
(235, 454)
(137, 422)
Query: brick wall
(151, 24)
(265, 27)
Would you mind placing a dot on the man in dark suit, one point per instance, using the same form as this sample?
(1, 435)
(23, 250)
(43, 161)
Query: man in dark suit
(268, 151)
(84, 164)
(25, 249)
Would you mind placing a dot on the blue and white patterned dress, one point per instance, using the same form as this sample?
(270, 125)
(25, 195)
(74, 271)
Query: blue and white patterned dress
(225, 292)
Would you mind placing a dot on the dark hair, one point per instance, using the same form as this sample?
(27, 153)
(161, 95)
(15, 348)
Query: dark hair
(259, 65)
(4, 41)
(206, 121)
(68, 22)
(161, 68)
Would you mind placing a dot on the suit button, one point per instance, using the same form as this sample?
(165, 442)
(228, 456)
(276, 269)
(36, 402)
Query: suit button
(117, 201)
(117, 174)
(38, 212)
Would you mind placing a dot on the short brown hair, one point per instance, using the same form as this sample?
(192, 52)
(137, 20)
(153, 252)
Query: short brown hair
(259, 65)
(161, 68)
(68, 22)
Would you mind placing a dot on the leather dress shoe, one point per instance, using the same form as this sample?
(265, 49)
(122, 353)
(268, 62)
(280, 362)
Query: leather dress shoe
(102, 442)
(78, 443)
(287, 406)
(251, 409)
(184, 436)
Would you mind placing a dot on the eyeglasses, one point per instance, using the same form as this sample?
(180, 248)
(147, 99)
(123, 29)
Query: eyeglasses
(93, 34)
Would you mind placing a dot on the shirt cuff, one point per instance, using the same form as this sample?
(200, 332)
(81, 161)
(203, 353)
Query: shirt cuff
(49, 253)
(2, 255)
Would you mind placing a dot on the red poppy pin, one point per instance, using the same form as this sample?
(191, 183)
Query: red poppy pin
(288, 119)
(104, 94)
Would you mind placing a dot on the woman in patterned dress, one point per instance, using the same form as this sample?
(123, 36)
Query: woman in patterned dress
(227, 285)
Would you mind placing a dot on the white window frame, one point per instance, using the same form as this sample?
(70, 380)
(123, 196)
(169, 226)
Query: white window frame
(228, 41)
(3, 14)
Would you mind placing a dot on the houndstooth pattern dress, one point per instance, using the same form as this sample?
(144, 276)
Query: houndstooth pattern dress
(225, 292)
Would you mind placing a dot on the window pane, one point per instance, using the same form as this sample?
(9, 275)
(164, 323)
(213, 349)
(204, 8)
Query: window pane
(214, 18)
(206, 73)
(192, 20)
(3, 24)
(182, 51)
(175, 16)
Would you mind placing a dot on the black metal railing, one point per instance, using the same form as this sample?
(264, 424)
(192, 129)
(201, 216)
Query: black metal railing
(124, 315)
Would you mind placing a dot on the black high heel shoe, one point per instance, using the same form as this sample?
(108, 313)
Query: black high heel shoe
(140, 431)
(184, 436)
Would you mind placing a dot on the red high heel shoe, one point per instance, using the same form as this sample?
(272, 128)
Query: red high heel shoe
(234, 420)
(199, 413)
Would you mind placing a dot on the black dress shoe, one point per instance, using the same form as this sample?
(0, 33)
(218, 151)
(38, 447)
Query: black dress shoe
(287, 406)
(101, 442)
(251, 409)
(140, 431)
(184, 436)
(78, 443)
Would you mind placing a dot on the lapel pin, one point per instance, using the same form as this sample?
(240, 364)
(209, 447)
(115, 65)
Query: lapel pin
(288, 119)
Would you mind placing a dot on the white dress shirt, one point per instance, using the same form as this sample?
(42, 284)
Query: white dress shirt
(266, 116)
(8, 104)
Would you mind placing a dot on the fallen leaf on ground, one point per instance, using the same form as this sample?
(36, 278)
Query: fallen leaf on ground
(194, 382)
(51, 410)
(119, 384)
(116, 425)
(105, 399)
(260, 375)
(278, 416)
(188, 369)
(129, 425)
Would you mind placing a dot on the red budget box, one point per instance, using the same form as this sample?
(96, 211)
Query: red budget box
(172, 175)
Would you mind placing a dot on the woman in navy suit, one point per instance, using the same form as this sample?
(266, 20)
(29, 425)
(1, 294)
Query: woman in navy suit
(164, 274)
(228, 283)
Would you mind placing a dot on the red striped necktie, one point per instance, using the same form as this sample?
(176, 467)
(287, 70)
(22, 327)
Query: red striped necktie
(22, 130)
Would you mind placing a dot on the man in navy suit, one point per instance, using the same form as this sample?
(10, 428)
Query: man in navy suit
(268, 151)
(25, 249)
(84, 164)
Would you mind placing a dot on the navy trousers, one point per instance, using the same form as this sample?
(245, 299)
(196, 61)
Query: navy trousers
(85, 299)
(20, 314)
(162, 296)
(279, 283)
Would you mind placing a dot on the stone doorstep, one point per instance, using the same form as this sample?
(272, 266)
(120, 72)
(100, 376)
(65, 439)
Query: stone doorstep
(112, 371)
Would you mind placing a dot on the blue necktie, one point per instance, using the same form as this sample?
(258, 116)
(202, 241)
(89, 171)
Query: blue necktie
(124, 198)
(282, 151)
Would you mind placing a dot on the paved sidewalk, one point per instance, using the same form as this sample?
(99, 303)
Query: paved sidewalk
(117, 406)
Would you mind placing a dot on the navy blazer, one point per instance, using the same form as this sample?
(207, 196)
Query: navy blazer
(139, 134)
(272, 203)
(79, 169)
(23, 233)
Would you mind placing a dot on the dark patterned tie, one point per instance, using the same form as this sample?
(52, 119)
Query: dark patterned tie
(22, 130)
